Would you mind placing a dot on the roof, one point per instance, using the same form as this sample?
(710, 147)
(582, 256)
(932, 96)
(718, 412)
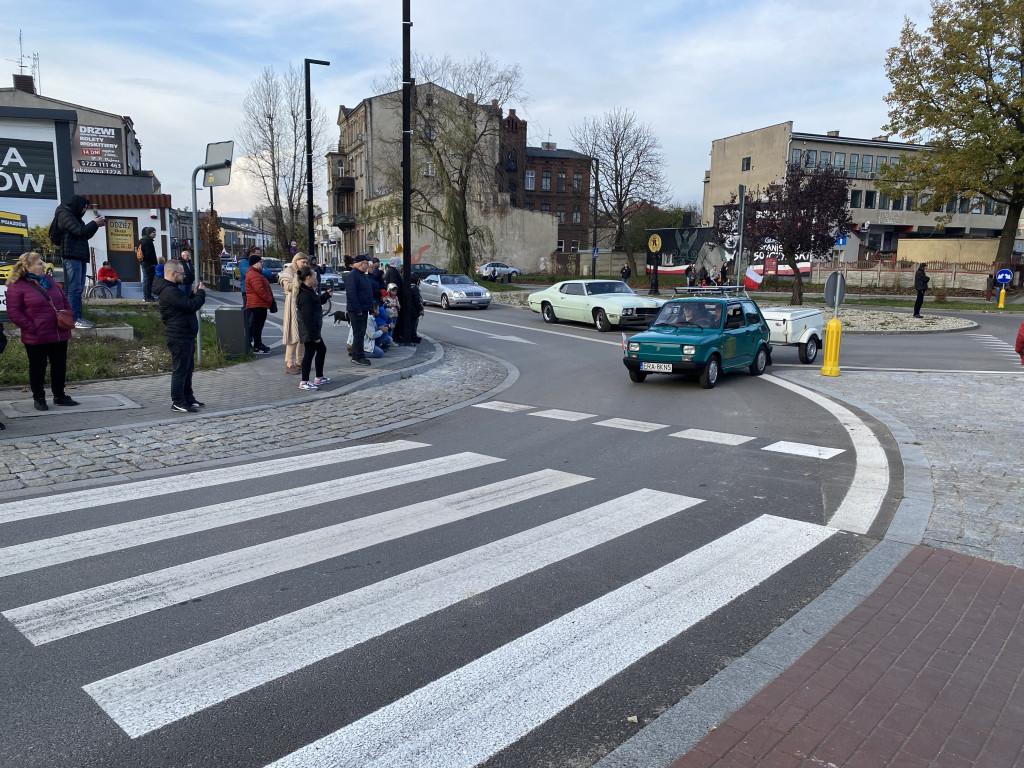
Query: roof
(851, 140)
(567, 154)
(65, 103)
(129, 202)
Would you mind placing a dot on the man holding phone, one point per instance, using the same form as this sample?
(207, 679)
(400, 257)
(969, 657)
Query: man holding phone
(181, 324)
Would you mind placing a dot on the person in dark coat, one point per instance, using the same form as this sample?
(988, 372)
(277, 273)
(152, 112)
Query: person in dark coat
(181, 326)
(377, 276)
(626, 273)
(74, 250)
(190, 273)
(921, 281)
(310, 321)
(393, 274)
(32, 303)
(417, 309)
(358, 303)
(149, 262)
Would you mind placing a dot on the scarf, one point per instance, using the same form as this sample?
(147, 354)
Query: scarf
(44, 282)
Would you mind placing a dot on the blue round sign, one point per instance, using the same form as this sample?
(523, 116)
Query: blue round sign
(1004, 276)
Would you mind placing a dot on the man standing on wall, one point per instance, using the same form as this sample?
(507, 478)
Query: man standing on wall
(148, 263)
(74, 250)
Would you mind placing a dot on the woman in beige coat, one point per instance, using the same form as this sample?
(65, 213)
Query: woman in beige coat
(290, 339)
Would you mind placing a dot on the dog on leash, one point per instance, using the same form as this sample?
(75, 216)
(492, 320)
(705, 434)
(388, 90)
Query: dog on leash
(340, 317)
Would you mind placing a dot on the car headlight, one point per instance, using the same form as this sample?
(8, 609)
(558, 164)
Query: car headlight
(487, 294)
(634, 346)
(689, 349)
(459, 294)
(626, 311)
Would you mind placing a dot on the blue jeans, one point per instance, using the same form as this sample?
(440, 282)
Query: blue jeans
(74, 279)
(114, 286)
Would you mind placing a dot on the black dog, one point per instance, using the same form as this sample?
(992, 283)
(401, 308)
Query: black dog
(340, 317)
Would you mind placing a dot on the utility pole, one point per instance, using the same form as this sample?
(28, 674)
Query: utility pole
(309, 156)
(407, 87)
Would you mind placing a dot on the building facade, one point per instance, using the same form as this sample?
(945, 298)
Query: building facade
(759, 157)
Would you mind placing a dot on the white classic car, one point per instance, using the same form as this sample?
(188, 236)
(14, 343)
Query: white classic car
(604, 303)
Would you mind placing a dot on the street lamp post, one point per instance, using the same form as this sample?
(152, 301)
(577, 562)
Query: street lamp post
(309, 155)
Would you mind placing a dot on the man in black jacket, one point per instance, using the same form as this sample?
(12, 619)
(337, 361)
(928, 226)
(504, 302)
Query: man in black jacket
(149, 262)
(358, 301)
(921, 281)
(181, 324)
(74, 250)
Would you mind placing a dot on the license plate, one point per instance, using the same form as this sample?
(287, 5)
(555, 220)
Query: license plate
(656, 367)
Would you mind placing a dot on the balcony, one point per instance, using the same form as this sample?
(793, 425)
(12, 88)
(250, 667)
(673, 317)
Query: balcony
(344, 184)
(344, 221)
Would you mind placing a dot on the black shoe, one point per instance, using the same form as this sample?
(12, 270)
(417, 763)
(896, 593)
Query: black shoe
(921, 316)
(197, 404)
(184, 408)
(41, 405)
(360, 361)
(64, 400)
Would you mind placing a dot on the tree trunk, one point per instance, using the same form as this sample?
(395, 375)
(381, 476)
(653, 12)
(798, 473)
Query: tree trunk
(631, 260)
(797, 297)
(1009, 231)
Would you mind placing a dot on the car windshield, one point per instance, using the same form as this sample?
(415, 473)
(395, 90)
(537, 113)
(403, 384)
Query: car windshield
(271, 264)
(689, 314)
(455, 280)
(610, 286)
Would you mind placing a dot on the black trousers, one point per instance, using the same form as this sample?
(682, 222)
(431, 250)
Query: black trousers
(38, 355)
(148, 273)
(247, 320)
(358, 322)
(258, 316)
(317, 350)
(183, 362)
(919, 302)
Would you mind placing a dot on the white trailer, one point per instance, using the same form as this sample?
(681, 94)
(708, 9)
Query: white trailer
(796, 326)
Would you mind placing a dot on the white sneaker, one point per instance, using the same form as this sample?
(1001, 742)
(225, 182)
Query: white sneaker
(83, 323)
(307, 385)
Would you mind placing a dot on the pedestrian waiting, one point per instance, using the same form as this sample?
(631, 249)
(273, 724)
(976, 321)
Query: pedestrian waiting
(310, 319)
(181, 326)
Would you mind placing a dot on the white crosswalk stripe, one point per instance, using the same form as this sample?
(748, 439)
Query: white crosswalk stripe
(498, 405)
(707, 436)
(803, 449)
(561, 415)
(74, 546)
(468, 715)
(631, 425)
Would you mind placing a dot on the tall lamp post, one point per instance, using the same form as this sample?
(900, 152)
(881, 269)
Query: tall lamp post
(309, 155)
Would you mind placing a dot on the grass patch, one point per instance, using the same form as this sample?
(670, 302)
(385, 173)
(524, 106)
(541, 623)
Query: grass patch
(105, 358)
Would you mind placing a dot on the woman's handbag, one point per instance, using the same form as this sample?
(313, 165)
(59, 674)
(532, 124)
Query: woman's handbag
(65, 320)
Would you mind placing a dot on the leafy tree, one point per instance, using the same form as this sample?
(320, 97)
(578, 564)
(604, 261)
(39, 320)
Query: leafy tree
(958, 88)
(630, 168)
(272, 142)
(455, 142)
(39, 238)
(803, 213)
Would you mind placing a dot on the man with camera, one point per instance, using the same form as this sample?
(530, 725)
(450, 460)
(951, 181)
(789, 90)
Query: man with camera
(181, 324)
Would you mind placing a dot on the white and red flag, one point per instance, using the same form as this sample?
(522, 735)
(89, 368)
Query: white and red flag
(752, 280)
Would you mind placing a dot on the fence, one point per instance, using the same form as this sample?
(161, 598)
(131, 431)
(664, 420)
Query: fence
(900, 275)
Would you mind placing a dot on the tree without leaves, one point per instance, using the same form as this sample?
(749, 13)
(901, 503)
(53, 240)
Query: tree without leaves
(630, 168)
(454, 150)
(803, 213)
(958, 87)
(272, 141)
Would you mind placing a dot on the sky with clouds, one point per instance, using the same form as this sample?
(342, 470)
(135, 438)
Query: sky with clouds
(696, 70)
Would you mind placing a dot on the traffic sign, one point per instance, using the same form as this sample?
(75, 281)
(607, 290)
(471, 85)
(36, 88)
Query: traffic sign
(1004, 276)
(218, 154)
(595, 251)
(835, 290)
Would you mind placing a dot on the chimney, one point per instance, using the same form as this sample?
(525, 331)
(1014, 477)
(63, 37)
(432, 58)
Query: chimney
(471, 98)
(512, 113)
(883, 137)
(25, 83)
(550, 145)
(832, 134)
(494, 103)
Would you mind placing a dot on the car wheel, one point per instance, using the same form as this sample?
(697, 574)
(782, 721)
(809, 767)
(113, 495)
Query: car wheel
(760, 362)
(444, 301)
(601, 321)
(709, 376)
(809, 351)
(548, 313)
(637, 376)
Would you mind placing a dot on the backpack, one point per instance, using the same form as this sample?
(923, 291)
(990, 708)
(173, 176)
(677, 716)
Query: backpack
(55, 234)
(138, 253)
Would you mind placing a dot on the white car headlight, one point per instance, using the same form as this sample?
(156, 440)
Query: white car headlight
(634, 346)
(627, 311)
(459, 294)
(487, 294)
(689, 349)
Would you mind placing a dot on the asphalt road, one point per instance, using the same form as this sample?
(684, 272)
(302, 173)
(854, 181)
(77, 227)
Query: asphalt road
(507, 585)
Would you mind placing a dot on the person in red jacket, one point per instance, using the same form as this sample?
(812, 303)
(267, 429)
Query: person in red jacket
(1019, 346)
(109, 278)
(258, 299)
(32, 303)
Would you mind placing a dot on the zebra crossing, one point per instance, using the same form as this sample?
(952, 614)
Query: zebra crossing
(460, 717)
(1003, 349)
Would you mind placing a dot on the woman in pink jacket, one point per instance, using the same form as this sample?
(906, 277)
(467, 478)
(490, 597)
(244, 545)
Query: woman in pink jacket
(32, 303)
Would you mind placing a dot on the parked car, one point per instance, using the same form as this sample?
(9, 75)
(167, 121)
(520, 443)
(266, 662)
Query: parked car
(8, 267)
(273, 266)
(332, 279)
(702, 335)
(423, 269)
(605, 303)
(229, 268)
(497, 268)
(454, 291)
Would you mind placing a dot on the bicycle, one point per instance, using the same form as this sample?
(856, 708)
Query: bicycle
(96, 290)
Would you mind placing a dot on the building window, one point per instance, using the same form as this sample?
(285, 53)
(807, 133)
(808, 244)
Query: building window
(855, 198)
(545, 207)
(530, 180)
(561, 181)
(745, 164)
(576, 215)
(893, 160)
(883, 202)
(811, 157)
(428, 167)
(865, 163)
(561, 214)
(529, 206)
(545, 181)
(990, 207)
(561, 246)
(882, 162)
(897, 203)
(840, 160)
(513, 161)
(577, 182)
(826, 160)
(869, 198)
(512, 189)
(854, 160)
(911, 202)
(795, 159)
(965, 205)
(575, 246)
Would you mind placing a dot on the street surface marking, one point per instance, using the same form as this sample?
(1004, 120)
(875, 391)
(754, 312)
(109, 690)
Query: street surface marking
(147, 489)
(537, 330)
(495, 335)
(631, 424)
(556, 413)
(67, 615)
(75, 546)
(498, 405)
(467, 716)
(708, 436)
(870, 482)
(803, 449)
(156, 694)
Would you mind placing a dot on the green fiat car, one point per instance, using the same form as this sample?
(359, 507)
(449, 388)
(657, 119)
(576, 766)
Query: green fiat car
(705, 335)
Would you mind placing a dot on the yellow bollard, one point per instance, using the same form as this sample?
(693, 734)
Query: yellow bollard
(833, 338)
(1002, 297)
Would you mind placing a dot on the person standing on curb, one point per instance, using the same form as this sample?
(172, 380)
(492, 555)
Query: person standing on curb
(243, 268)
(149, 263)
(625, 273)
(290, 284)
(921, 281)
(310, 320)
(181, 325)
(358, 305)
(258, 300)
(417, 309)
(74, 250)
(190, 273)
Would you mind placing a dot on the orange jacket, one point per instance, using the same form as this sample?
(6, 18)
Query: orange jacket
(257, 289)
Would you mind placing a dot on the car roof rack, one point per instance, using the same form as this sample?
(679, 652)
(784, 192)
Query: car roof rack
(713, 290)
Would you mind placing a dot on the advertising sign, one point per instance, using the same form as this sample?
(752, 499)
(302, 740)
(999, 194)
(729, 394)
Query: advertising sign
(771, 266)
(13, 224)
(27, 170)
(122, 237)
(98, 149)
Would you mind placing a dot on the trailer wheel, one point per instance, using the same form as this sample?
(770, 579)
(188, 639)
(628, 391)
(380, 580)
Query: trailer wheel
(809, 351)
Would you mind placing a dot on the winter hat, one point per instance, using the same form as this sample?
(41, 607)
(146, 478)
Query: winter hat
(255, 259)
(392, 287)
